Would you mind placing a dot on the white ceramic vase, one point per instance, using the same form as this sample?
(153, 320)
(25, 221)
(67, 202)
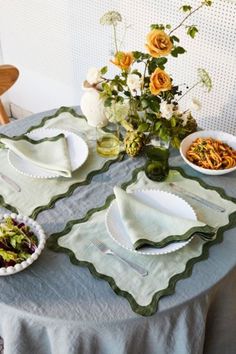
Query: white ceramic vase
(93, 108)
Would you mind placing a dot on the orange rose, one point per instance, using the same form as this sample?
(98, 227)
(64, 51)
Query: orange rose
(123, 60)
(159, 81)
(158, 43)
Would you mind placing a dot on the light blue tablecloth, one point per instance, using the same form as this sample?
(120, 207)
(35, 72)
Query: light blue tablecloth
(54, 307)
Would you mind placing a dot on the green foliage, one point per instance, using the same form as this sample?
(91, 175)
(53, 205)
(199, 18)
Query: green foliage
(139, 56)
(104, 70)
(192, 31)
(186, 8)
(108, 102)
(143, 127)
(177, 50)
(205, 78)
(174, 39)
(207, 2)
(156, 63)
(157, 26)
(153, 103)
(136, 72)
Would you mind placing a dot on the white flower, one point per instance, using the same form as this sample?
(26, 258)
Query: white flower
(117, 111)
(111, 18)
(93, 76)
(195, 105)
(185, 116)
(134, 82)
(167, 109)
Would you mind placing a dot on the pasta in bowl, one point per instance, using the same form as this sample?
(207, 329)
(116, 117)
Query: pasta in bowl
(210, 152)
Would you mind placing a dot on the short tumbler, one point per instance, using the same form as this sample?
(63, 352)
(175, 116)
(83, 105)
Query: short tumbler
(157, 166)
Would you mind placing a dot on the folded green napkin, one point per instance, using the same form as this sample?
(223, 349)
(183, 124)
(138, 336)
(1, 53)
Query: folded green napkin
(146, 225)
(49, 153)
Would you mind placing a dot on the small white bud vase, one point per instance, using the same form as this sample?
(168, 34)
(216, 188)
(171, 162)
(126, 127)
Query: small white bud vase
(92, 107)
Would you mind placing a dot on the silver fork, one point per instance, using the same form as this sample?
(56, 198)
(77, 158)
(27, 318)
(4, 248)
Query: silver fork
(106, 250)
(10, 181)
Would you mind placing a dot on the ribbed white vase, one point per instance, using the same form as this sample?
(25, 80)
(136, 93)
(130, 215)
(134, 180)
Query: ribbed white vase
(93, 108)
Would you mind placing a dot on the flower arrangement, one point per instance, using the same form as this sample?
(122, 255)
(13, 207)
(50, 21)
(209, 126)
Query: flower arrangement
(142, 97)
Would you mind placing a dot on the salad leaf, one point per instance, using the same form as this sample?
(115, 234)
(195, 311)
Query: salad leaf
(17, 242)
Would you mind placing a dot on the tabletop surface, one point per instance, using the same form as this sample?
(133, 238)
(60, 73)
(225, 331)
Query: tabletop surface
(52, 289)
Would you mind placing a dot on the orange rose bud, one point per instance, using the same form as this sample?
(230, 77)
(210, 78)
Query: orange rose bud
(158, 43)
(123, 60)
(159, 81)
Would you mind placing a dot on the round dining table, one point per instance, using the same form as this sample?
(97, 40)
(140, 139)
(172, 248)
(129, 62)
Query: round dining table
(56, 307)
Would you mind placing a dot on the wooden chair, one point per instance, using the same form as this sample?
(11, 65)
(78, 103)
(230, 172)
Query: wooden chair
(8, 76)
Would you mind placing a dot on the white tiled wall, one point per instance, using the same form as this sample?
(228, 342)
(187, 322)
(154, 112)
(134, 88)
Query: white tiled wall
(54, 43)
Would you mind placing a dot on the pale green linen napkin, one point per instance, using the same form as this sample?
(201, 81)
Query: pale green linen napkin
(146, 225)
(49, 153)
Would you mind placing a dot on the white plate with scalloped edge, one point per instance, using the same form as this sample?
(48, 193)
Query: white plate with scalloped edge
(165, 202)
(77, 148)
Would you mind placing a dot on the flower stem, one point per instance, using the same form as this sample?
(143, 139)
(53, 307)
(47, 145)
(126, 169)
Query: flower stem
(115, 37)
(144, 74)
(191, 88)
(190, 14)
(121, 42)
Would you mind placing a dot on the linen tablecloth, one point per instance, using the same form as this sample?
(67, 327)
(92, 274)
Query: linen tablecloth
(55, 307)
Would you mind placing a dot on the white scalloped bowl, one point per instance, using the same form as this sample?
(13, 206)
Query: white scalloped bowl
(215, 134)
(39, 233)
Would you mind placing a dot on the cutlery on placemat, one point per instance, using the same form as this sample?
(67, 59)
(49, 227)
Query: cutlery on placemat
(195, 197)
(11, 183)
(106, 250)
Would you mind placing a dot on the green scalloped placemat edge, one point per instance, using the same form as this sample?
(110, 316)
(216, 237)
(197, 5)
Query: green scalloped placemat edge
(153, 306)
(56, 114)
(31, 141)
(72, 188)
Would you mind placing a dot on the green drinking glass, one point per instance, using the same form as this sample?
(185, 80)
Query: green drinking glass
(157, 165)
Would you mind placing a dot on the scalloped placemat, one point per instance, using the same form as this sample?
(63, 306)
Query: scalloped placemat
(143, 293)
(40, 194)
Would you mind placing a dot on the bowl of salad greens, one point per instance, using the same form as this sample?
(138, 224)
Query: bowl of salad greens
(21, 241)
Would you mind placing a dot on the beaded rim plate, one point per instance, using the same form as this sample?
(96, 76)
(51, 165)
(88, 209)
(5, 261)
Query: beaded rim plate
(166, 202)
(77, 147)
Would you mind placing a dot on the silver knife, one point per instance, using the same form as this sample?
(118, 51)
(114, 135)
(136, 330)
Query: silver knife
(10, 182)
(197, 198)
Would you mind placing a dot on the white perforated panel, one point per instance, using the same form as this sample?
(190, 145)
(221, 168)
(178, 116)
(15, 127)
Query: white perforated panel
(55, 42)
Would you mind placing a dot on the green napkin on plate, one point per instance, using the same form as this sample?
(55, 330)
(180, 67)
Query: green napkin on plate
(49, 153)
(146, 225)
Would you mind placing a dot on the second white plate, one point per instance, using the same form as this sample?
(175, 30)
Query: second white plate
(165, 202)
(77, 147)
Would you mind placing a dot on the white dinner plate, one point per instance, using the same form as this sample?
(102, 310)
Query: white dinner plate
(77, 147)
(165, 202)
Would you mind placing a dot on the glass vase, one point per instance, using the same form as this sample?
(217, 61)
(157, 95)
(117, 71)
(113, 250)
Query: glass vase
(108, 142)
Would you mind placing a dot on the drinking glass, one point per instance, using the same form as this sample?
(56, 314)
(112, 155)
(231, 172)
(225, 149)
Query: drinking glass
(157, 165)
(108, 143)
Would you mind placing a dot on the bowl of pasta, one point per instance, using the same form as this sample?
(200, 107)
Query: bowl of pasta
(210, 152)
